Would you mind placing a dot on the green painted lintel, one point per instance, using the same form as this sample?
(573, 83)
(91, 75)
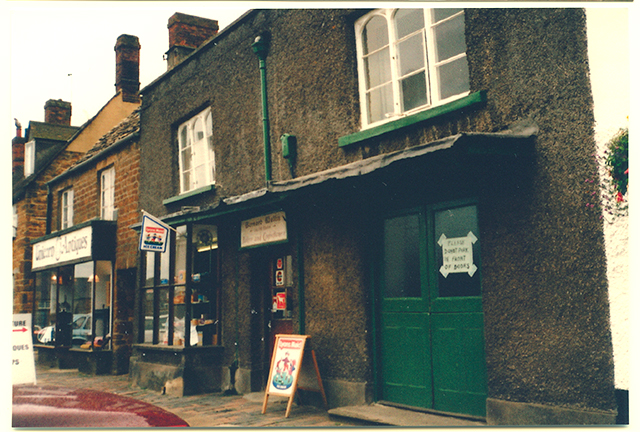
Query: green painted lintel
(198, 191)
(377, 131)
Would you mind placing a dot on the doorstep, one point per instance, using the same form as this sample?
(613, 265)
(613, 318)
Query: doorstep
(392, 416)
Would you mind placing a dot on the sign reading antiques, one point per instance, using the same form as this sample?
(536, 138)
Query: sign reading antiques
(62, 249)
(457, 254)
(267, 229)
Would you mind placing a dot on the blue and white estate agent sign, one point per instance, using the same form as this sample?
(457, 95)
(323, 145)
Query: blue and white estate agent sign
(23, 366)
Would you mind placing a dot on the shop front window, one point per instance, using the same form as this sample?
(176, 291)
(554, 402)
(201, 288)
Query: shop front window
(82, 294)
(44, 316)
(183, 312)
(73, 305)
(102, 303)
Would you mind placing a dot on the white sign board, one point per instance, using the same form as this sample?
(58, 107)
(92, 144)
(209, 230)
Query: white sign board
(23, 369)
(271, 228)
(457, 254)
(62, 249)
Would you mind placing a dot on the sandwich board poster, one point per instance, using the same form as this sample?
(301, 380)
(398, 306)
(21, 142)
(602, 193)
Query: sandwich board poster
(285, 368)
(285, 365)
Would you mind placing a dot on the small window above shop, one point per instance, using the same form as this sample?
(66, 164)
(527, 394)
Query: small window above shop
(66, 209)
(195, 152)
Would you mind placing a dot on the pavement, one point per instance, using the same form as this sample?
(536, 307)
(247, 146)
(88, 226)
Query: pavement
(219, 410)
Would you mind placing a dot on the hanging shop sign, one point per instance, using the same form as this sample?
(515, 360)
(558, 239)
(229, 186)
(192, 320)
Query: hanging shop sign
(154, 234)
(263, 230)
(457, 254)
(63, 249)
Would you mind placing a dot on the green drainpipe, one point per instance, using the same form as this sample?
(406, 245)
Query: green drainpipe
(260, 48)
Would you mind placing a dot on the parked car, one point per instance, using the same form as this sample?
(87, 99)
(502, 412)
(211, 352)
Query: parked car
(81, 329)
(47, 406)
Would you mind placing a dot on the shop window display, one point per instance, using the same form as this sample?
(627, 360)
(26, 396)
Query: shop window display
(184, 312)
(73, 306)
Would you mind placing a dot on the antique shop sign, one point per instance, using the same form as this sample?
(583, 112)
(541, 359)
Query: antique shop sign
(267, 229)
(62, 249)
(457, 254)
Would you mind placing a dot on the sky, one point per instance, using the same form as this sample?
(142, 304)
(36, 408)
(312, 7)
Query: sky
(64, 50)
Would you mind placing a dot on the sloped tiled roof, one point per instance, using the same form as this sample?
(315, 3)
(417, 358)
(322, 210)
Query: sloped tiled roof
(52, 140)
(127, 127)
(50, 131)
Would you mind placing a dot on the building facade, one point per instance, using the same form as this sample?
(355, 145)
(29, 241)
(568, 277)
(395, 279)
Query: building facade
(37, 157)
(53, 230)
(85, 272)
(406, 187)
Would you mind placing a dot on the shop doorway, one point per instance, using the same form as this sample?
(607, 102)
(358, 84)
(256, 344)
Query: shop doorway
(431, 322)
(278, 299)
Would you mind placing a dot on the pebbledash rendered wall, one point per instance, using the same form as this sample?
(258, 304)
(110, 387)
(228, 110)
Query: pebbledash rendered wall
(547, 333)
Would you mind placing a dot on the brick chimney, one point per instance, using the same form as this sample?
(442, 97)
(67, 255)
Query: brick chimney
(186, 33)
(57, 112)
(17, 148)
(128, 67)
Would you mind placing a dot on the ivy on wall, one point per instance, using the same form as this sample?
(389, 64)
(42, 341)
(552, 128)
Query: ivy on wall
(615, 184)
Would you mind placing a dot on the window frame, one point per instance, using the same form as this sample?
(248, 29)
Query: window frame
(197, 152)
(29, 158)
(66, 208)
(14, 220)
(432, 90)
(107, 206)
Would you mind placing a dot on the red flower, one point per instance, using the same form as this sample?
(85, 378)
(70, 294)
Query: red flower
(619, 197)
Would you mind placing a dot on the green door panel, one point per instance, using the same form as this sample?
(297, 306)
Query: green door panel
(406, 356)
(458, 363)
(431, 321)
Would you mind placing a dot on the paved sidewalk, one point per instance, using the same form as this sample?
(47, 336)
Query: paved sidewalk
(218, 410)
(210, 410)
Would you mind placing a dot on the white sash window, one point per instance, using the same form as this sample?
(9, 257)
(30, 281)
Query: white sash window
(410, 60)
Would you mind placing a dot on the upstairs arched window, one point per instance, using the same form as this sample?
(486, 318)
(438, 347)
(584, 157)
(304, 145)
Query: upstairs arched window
(410, 60)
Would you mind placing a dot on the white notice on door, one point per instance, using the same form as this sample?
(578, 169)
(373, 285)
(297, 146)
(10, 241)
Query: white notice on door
(457, 254)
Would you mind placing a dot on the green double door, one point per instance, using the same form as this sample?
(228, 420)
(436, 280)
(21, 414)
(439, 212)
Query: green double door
(431, 330)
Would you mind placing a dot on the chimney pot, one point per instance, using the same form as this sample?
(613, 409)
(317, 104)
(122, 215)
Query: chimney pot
(186, 34)
(17, 148)
(128, 67)
(57, 112)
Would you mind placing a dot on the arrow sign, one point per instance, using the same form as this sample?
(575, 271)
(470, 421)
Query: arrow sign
(23, 369)
(457, 254)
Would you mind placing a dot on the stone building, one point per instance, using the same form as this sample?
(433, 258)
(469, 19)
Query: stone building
(97, 278)
(47, 151)
(406, 187)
